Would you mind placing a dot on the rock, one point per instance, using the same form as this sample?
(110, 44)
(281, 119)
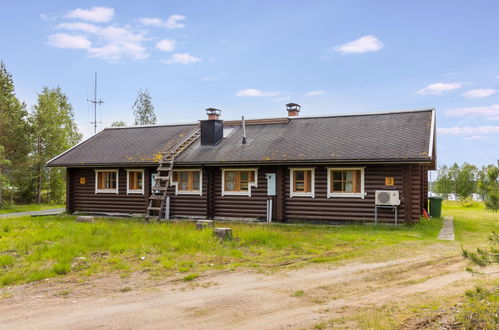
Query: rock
(85, 219)
(203, 224)
(223, 233)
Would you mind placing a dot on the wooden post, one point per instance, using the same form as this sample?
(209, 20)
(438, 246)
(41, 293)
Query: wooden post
(223, 233)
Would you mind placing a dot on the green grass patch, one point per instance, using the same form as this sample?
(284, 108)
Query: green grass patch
(190, 277)
(298, 293)
(36, 248)
(28, 207)
(473, 224)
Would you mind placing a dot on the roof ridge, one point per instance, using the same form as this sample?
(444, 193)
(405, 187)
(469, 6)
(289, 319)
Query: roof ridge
(147, 126)
(371, 113)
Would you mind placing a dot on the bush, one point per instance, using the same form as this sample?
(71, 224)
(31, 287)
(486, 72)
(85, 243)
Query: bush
(469, 202)
(480, 311)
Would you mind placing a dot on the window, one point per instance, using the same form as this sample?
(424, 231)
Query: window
(345, 182)
(135, 182)
(302, 182)
(187, 181)
(238, 181)
(106, 181)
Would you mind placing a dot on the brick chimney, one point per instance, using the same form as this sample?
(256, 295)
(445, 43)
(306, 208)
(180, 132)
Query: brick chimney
(212, 130)
(293, 109)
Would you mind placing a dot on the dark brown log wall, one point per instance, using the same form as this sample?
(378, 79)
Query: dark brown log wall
(189, 205)
(346, 208)
(410, 181)
(84, 198)
(242, 206)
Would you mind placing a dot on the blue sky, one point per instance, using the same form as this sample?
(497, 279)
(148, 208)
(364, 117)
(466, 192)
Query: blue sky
(251, 57)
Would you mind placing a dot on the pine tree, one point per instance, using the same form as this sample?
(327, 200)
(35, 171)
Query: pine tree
(54, 131)
(4, 180)
(488, 187)
(143, 109)
(14, 133)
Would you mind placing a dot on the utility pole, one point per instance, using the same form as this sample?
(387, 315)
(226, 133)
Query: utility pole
(95, 102)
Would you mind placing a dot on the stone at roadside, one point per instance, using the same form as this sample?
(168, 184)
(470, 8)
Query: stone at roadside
(85, 218)
(203, 224)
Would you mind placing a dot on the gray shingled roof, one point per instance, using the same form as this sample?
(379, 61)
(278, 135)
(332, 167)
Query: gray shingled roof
(132, 145)
(393, 136)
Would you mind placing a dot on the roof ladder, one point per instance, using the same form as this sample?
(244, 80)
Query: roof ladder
(164, 174)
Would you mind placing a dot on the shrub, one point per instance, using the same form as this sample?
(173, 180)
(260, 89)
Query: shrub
(480, 309)
(61, 268)
(469, 202)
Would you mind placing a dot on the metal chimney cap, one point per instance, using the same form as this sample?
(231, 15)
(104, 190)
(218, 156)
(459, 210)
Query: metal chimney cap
(213, 111)
(293, 106)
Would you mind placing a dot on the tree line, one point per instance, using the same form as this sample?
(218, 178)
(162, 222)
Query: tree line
(468, 179)
(30, 138)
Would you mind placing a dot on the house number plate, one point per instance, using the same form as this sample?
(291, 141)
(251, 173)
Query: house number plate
(389, 181)
(82, 180)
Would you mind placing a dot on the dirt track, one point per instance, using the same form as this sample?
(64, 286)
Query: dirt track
(235, 300)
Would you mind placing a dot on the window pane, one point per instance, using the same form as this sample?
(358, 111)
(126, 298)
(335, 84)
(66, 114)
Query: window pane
(195, 180)
(244, 177)
(230, 180)
(299, 175)
(336, 186)
(183, 181)
(348, 187)
(308, 181)
(337, 175)
(139, 180)
(349, 175)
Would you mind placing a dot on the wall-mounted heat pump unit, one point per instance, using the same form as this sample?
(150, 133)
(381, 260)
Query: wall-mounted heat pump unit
(387, 197)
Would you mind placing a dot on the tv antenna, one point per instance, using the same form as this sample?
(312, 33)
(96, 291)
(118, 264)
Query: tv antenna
(95, 102)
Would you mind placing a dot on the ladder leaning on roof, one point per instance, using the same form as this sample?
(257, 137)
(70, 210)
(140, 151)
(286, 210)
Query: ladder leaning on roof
(159, 191)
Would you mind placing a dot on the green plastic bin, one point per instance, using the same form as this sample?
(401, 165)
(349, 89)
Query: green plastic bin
(435, 206)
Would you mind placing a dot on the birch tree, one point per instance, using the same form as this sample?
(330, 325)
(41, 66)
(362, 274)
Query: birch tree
(143, 109)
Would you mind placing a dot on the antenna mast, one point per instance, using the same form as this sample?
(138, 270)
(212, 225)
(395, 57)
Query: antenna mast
(95, 102)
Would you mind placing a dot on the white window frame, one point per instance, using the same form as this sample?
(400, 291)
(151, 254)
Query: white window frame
(134, 191)
(107, 191)
(360, 194)
(250, 184)
(193, 192)
(292, 193)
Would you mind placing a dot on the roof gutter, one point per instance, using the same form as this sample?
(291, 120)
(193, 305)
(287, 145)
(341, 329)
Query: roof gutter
(277, 162)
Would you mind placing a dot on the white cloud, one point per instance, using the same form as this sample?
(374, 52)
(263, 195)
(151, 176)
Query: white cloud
(171, 22)
(479, 93)
(166, 45)
(364, 44)
(439, 88)
(64, 40)
(475, 137)
(112, 43)
(467, 130)
(182, 58)
(491, 111)
(252, 92)
(313, 93)
(94, 14)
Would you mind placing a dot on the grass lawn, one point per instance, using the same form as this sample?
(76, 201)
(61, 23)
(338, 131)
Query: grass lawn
(28, 207)
(36, 248)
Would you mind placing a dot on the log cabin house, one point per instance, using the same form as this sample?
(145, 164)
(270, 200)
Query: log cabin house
(295, 168)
